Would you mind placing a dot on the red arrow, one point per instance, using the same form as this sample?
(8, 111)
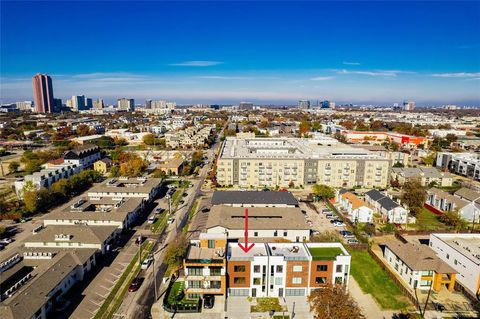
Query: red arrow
(246, 248)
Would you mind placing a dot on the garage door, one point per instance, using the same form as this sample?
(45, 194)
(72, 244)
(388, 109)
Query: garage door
(294, 292)
(238, 292)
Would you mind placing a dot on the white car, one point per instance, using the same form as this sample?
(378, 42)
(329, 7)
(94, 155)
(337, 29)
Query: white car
(339, 224)
(146, 263)
(152, 219)
(352, 241)
(170, 220)
(6, 241)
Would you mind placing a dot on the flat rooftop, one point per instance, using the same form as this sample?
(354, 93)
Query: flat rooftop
(289, 251)
(290, 148)
(236, 253)
(253, 198)
(466, 244)
(196, 253)
(134, 185)
(325, 253)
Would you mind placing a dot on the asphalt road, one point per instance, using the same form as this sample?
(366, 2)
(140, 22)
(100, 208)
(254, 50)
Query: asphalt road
(139, 304)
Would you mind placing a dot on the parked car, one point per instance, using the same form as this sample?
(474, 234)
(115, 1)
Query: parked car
(25, 219)
(184, 194)
(2, 246)
(159, 210)
(6, 241)
(346, 234)
(326, 211)
(338, 224)
(136, 283)
(147, 262)
(330, 216)
(208, 301)
(170, 220)
(351, 241)
(205, 210)
(139, 240)
(152, 219)
(182, 202)
(439, 307)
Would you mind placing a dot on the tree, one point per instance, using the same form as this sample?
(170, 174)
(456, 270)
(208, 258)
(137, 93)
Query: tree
(176, 252)
(30, 199)
(413, 194)
(333, 301)
(133, 167)
(398, 164)
(61, 187)
(323, 191)
(149, 139)
(197, 158)
(115, 171)
(83, 130)
(429, 159)
(454, 219)
(304, 127)
(13, 167)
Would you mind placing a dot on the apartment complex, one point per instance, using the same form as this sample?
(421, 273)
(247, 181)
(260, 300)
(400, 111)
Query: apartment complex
(358, 210)
(126, 187)
(426, 175)
(193, 136)
(419, 266)
(285, 269)
(285, 162)
(465, 164)
(462, 253)
(83, 156)
(447, 202)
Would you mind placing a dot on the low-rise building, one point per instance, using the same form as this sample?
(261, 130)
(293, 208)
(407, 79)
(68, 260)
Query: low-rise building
(358, 210)
(419, 266)
(447, 202)
(103, 165)
(263, 222)
(254, 199)
(126, 187)
(390, 210)
(285, 269)
(426, 175)
(47, 176)
(462, 253)
(406, 141)
(205, 266)
(84, 155)
(464, 164)
(172, 167)
(106, 211)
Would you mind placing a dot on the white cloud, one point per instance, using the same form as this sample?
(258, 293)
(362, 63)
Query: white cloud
(375, 72)
(351, 63)
(321, 78)
(457, 75)
(197, 63)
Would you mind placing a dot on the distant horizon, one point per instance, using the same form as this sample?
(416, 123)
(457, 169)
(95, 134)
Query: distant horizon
(356, 52)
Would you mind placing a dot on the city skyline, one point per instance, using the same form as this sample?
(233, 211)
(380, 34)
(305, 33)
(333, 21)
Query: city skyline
(348, 52)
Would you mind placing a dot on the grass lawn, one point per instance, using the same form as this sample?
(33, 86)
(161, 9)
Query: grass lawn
(160, 223)
(375, 281)
(177, 292)
(325, 253)
(267, 304)
(427, 220)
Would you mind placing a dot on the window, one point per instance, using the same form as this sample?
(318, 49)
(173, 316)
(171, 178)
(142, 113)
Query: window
(211, 243)
(256, 269)
(320, 280)
(285, 233)
(338, 280)
(297, 268)
(256, 281)
(278, 281)
(239, 280)
(195, 271)
(194, 284)
(239, 268)
(275, 234)
(255, 234)
(215, 271)
(448, 256)
(339, 268)
(279, 269)
(296, 280)
(322, 267)
(455, 262)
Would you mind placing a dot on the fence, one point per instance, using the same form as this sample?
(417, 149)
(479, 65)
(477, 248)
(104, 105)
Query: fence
(179, 307)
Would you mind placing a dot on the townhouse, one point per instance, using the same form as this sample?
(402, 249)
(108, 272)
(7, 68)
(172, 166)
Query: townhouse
(287, 162)
(390, 210)
(285, 269)
(263, 223)
(419, 267)
(205, 266)
(447, 202)
(426, 175)
(358, 210)
(462, 253)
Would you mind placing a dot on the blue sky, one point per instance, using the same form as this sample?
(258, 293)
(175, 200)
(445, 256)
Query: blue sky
(225, 52)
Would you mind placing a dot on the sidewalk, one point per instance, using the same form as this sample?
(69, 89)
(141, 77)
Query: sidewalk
(369, 306)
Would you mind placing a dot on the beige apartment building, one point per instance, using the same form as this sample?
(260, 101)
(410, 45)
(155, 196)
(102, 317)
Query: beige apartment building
(259, 162)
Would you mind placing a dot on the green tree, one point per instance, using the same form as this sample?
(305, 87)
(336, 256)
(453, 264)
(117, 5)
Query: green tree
(61, 187)
(333, 301)
(304, 127)
(13, 167)
(413, 194)
(31, 200)
(454, 219)
(149, 139)
(115, 171)
(429, 160)
(323, 191)
(175, 252)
